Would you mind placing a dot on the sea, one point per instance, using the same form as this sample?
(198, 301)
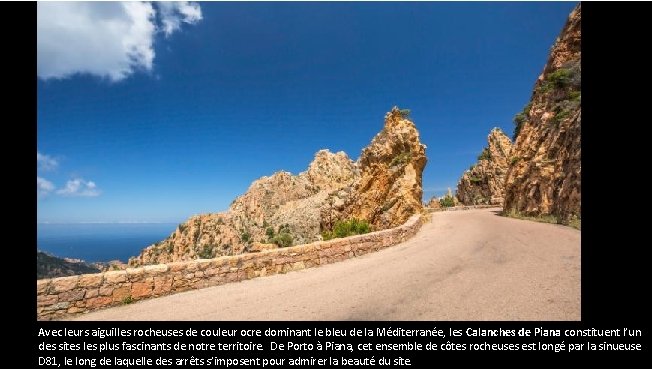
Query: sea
(99, 242)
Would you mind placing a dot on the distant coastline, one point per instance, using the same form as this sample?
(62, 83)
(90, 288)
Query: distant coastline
(99, 242)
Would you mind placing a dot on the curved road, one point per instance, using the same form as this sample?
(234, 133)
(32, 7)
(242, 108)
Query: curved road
(462, 265)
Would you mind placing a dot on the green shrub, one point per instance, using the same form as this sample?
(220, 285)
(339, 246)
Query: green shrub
(447, 201)
(560, 115)
(559, 78)
(405, 113)
(515, 159)
(564, 81)
(520, 119)
(347, 228)
(206, 252)
(283, 239)
(475, 179)
(246, 237)
(573, 221)
(484, 155)
(270, 232)
(400, 159)
(127, 300)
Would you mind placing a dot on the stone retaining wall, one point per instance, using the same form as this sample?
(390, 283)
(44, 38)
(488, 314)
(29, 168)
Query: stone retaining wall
(67, 296)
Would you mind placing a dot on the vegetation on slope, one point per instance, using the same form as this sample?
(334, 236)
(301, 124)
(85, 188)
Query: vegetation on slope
(48, 266)
(347, 228)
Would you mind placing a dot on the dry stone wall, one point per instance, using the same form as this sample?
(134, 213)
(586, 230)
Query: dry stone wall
(66, 296)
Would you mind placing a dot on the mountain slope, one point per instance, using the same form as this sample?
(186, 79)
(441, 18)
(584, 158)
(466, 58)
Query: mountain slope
(545, 177)
(48, 266)
(383, 187)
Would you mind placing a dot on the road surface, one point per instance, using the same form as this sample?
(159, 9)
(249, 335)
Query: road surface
(462, 265)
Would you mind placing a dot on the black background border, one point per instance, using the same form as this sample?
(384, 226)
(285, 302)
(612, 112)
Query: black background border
(614, 246)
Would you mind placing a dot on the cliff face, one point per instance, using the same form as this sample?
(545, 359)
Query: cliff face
(383, 187)
(484, 183)
(389, 189)
(545, 177)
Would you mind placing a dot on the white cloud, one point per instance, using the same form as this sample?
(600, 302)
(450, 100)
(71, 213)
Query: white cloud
(46, 162)
(79, 187)
(43, 187)
(106, 39)
(172, 13)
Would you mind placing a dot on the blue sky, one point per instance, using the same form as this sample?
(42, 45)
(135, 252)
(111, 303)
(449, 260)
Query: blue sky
(205, 98)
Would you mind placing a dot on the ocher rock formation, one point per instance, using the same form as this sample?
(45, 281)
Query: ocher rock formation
(389, 189)
(545, 178)
(383, 187)
(269, 203)
(433, 203)
(484, 183)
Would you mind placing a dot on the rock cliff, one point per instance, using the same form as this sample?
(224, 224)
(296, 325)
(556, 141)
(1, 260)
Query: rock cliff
(383, 187)
(389, 189)
(434, 203)
(545, 175)
(484, 182)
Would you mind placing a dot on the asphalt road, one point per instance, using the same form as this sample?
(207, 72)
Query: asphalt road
(462, 265)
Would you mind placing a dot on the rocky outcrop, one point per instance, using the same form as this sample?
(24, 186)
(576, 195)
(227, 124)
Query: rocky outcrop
(484, 182)
(382, 187)
(389, 189)
(433, 203)
(545, 177)
(281, 201)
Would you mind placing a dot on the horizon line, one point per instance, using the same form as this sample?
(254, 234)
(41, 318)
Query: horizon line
(109, 222)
